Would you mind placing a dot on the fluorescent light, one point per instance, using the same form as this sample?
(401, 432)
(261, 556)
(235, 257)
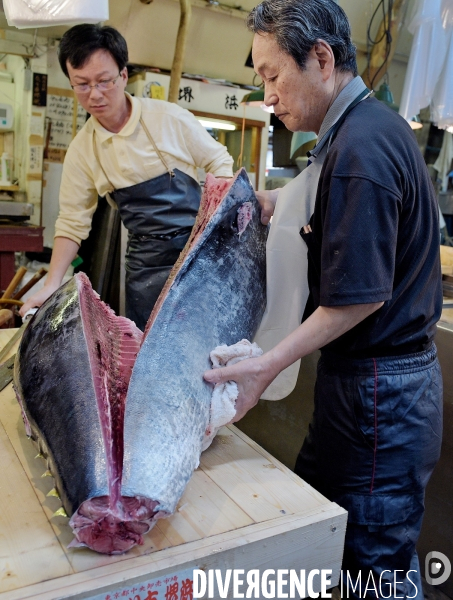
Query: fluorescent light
(217, 125)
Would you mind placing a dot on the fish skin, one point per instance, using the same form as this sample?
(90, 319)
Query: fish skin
(57, 405)
(72, 370)
(217, 296)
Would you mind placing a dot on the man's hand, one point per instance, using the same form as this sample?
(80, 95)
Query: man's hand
(64, 252)
(267, 200)
(37, 299)
(252, 377)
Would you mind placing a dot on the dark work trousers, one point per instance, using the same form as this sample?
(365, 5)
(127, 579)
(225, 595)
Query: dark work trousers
(371, 447)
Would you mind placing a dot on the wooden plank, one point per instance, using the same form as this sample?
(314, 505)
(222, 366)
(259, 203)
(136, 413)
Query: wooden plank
(204, 510)
(5, 336)
(29, 551)
(264, 487)
(447, 314)
(312, 541)
(446, 256)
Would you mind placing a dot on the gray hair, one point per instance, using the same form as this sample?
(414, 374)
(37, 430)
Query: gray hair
(299, 24)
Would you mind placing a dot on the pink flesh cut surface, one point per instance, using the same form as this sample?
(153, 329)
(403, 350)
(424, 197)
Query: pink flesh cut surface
(110, 524)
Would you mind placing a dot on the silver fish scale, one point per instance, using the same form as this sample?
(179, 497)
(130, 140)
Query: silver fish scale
(217, 297)
(53, 378)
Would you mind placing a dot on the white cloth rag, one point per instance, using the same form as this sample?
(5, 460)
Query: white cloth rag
(224, 395)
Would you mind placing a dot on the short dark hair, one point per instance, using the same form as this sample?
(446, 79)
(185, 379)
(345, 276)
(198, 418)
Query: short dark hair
(299, 24)
(81, 41)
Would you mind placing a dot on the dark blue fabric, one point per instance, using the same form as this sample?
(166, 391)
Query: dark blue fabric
(161, 205)
(375, 235)
(372, 445)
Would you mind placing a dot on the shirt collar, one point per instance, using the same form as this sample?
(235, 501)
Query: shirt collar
(341, 103)
(129, 128)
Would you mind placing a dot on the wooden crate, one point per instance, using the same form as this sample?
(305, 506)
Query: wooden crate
(241, 509)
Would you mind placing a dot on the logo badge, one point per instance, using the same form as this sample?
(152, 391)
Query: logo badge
(437, 568)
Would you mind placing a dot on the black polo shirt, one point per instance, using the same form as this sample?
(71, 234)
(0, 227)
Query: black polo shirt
(375, 235)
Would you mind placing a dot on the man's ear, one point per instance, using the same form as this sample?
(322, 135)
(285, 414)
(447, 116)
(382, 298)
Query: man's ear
(324, 55)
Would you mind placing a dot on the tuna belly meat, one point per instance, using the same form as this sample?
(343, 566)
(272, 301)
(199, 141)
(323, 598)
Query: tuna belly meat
(214, 295)
(71, 375)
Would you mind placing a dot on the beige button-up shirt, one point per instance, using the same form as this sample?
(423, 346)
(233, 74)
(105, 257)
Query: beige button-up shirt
(128, 157)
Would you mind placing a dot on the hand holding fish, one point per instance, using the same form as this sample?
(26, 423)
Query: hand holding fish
(38, 298)
(267, 200)
(252, 377)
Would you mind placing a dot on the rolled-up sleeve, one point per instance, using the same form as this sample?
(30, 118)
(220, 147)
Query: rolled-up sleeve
(78, 199)
(207, 153)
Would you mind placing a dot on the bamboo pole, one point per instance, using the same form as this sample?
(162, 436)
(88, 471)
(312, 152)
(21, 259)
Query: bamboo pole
(14, 283)
(178, 59)
(377, 66)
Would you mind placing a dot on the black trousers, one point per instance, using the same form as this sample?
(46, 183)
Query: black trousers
(372, 445)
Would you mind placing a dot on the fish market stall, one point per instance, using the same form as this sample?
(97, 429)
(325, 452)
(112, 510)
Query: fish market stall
(241, 509)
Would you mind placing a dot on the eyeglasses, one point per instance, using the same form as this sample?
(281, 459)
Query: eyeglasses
(102, 86)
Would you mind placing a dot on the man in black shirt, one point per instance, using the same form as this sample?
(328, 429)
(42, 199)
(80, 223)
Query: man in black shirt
(375, 295)
(375, 235)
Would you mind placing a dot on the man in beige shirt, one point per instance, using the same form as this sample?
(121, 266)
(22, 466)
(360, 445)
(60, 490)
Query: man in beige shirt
(143, 153)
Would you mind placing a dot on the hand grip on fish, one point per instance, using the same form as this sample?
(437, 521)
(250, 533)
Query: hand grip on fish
(224, 395)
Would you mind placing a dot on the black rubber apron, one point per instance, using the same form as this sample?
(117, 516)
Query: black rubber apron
(159, 215)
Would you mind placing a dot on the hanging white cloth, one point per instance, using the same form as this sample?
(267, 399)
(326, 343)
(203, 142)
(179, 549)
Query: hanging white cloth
(427, 56)
(442, 102)
(429, 74)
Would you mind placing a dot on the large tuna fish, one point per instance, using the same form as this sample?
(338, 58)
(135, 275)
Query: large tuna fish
(74, 364)
(214, 295)
(71, 375)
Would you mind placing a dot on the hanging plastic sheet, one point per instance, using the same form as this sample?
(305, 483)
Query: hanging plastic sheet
(427, 56)
(41, 13)
(442, 102)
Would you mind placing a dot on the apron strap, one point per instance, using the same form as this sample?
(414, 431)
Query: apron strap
(108, 197)
(150, 137)
(112, 189)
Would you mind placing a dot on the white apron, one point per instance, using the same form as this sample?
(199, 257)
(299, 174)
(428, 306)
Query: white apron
(286, 270)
